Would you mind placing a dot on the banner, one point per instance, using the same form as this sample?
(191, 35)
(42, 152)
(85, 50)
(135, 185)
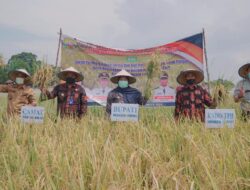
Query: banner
(99, 63)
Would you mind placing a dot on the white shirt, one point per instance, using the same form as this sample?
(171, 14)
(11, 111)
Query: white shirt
(164, 94)
(100, 91)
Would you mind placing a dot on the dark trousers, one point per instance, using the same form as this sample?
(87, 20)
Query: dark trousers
(245, 115)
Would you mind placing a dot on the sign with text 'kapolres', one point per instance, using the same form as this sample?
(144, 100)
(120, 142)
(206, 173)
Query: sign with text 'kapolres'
(124, 112)
(32, 114)
(218, 118)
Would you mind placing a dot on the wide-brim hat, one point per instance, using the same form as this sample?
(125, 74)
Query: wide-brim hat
(243, 70)
(62, 74)
(123, 73)
(13, 74)
(199, 76)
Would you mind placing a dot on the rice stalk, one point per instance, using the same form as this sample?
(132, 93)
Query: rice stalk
(153, 71)
(43, 76)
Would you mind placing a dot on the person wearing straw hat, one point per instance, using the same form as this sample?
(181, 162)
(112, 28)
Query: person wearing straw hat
(19, 92)
(123, 93)
(242, 91)
(71, 97)
(191, 98)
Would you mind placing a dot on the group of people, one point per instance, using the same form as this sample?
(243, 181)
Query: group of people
(190, 99)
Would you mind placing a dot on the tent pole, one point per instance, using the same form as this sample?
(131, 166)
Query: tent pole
(206, 60)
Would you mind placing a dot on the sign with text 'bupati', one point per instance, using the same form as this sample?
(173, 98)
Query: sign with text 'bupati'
(124, 112)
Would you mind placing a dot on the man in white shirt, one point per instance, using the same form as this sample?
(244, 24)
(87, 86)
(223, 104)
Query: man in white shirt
(100, 93)
(164, 93)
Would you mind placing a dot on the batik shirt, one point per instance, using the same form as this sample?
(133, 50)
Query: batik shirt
(190, 102)
(71, 100)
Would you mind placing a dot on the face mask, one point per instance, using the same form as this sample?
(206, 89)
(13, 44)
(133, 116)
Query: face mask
(19, 80)
(123, 84)
(190, 81)
(70, 80)
(248, 75)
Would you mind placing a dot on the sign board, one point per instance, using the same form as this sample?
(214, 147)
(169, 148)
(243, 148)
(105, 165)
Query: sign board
(124, 112)
(32, 114)
(218, 118)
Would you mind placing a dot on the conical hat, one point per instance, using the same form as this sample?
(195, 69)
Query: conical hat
(243, 70)
(13, 74)
(199, 76)
(123, 73)
(62, 74)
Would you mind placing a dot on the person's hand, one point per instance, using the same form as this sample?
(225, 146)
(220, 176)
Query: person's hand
(43, 90)
(242, 93)
(214, 103)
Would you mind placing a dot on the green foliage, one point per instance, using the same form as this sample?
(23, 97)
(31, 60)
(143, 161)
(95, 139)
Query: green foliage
(23, 60)
(1, 61)
(226, 83)
(3, 74)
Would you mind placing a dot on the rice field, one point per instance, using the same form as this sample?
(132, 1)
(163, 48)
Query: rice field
(94, 153)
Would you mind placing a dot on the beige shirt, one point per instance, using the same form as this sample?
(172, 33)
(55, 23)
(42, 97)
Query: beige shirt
(18, 96)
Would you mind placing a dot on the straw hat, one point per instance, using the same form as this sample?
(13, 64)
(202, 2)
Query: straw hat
(181, 78)
(62, 74)
(123, 73)
(13, 74)
(243, 70)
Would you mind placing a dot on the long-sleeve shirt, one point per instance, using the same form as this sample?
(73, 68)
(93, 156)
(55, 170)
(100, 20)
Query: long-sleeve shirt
(18, 96)
(190, 102)
(245, 101)
(71, 100)
(127, 95)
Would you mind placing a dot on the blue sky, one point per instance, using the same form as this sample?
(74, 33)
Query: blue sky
(32, 25)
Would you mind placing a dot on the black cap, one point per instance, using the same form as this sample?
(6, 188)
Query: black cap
(164, 76)
(103, 75)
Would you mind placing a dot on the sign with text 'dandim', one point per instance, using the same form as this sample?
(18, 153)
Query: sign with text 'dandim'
(124, 112)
